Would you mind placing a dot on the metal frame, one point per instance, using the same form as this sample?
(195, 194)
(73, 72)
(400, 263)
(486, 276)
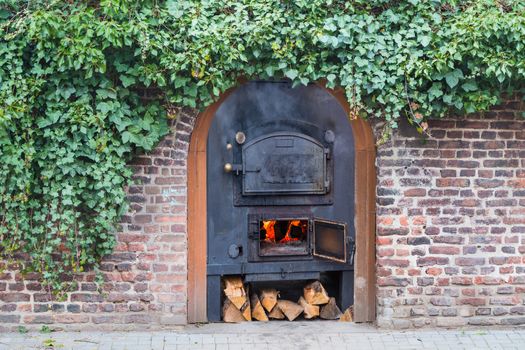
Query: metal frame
(308, 242)
(255, 244)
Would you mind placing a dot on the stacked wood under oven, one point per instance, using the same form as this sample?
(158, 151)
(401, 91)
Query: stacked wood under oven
(240, 305)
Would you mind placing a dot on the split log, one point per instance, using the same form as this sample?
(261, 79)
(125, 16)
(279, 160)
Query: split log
(347, 315)
(258, 312)
(268, 298)
(330, 311)
(234, 290)
(290, 309)
(246, 311)
(276, 313)
(230, 313)
(310, 311)
(315, 294)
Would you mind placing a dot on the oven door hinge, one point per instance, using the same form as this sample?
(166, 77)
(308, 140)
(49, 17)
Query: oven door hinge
(327, 153)
(253, 229)
(327, 180)
(351, 243)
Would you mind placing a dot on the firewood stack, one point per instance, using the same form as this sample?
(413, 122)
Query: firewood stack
(240, 306)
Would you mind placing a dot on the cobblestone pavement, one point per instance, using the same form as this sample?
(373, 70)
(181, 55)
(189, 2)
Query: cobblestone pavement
(274, 335)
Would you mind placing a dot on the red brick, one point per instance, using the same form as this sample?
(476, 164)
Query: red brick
(414, 272)
(393, 281)
(430, 261)
(488, 280)
(38, 319)
(14, 297)
(462, 281)
(390, 231)
(441, 301)
(382, 252)
(434, 271)
(508, 300)
(442, 282)
(393, 262)
(170, 278)
(452, 182)
(469, 261)
(71, 318)
(415, 192)
(383, 272)
(448, 250)
(517, 183)
(383, 241)
(472, 301)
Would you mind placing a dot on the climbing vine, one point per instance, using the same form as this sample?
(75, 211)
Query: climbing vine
(85, 85)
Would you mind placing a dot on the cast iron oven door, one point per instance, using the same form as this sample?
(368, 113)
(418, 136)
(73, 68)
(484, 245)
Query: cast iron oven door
(330, 240)
(272, 238)
(284, 163)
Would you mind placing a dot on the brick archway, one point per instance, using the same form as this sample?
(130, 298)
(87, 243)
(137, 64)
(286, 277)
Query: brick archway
(365, 173)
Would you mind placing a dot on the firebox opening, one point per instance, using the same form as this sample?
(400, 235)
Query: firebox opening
(283, 237)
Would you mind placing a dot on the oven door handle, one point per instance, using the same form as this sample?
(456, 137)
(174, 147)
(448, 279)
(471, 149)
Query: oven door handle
(238, 168)
(235, 168)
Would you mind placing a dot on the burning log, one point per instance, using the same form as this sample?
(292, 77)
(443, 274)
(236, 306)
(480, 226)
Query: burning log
(290, 309)
(347, 315)
(258, 312)
(276, 313)
(268, 298)
(230, 313)
(234, 290)
(330, 311)
(315, 294)
(310, 311)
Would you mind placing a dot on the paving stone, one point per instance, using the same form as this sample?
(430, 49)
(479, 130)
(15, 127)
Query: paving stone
(256, 336)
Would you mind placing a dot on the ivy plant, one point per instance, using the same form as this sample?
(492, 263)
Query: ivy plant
(85, 85)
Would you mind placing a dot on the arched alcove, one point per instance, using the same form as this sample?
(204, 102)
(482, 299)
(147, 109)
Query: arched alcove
(365, 180)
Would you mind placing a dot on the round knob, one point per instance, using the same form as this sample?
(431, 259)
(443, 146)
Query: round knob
(228, 168)
(234, 251)
(229, 146)
(329, 136)
(240, 137)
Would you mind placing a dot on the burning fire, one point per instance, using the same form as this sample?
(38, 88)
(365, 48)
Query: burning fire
(287, 237)
(269, 227)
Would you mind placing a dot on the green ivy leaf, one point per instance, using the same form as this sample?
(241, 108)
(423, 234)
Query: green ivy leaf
(291, 73)
(469, 86)
(425, 40)
(103, 107)
(127, 80)
(452, 78)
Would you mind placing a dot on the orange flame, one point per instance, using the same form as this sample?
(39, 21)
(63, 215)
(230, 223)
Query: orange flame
(269, 227)
(287, 237)
(270, 230)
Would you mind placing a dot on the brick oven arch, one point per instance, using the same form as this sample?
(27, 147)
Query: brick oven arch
(365, 180)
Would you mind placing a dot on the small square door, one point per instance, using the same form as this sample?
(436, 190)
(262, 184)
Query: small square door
(329, 240)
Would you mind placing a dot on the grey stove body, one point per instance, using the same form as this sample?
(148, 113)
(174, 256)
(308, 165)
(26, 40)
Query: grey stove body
(280, 189)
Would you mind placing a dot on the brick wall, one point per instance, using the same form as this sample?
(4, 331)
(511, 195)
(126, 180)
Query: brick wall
(451, 223)
(450, 236)
(146, 276)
